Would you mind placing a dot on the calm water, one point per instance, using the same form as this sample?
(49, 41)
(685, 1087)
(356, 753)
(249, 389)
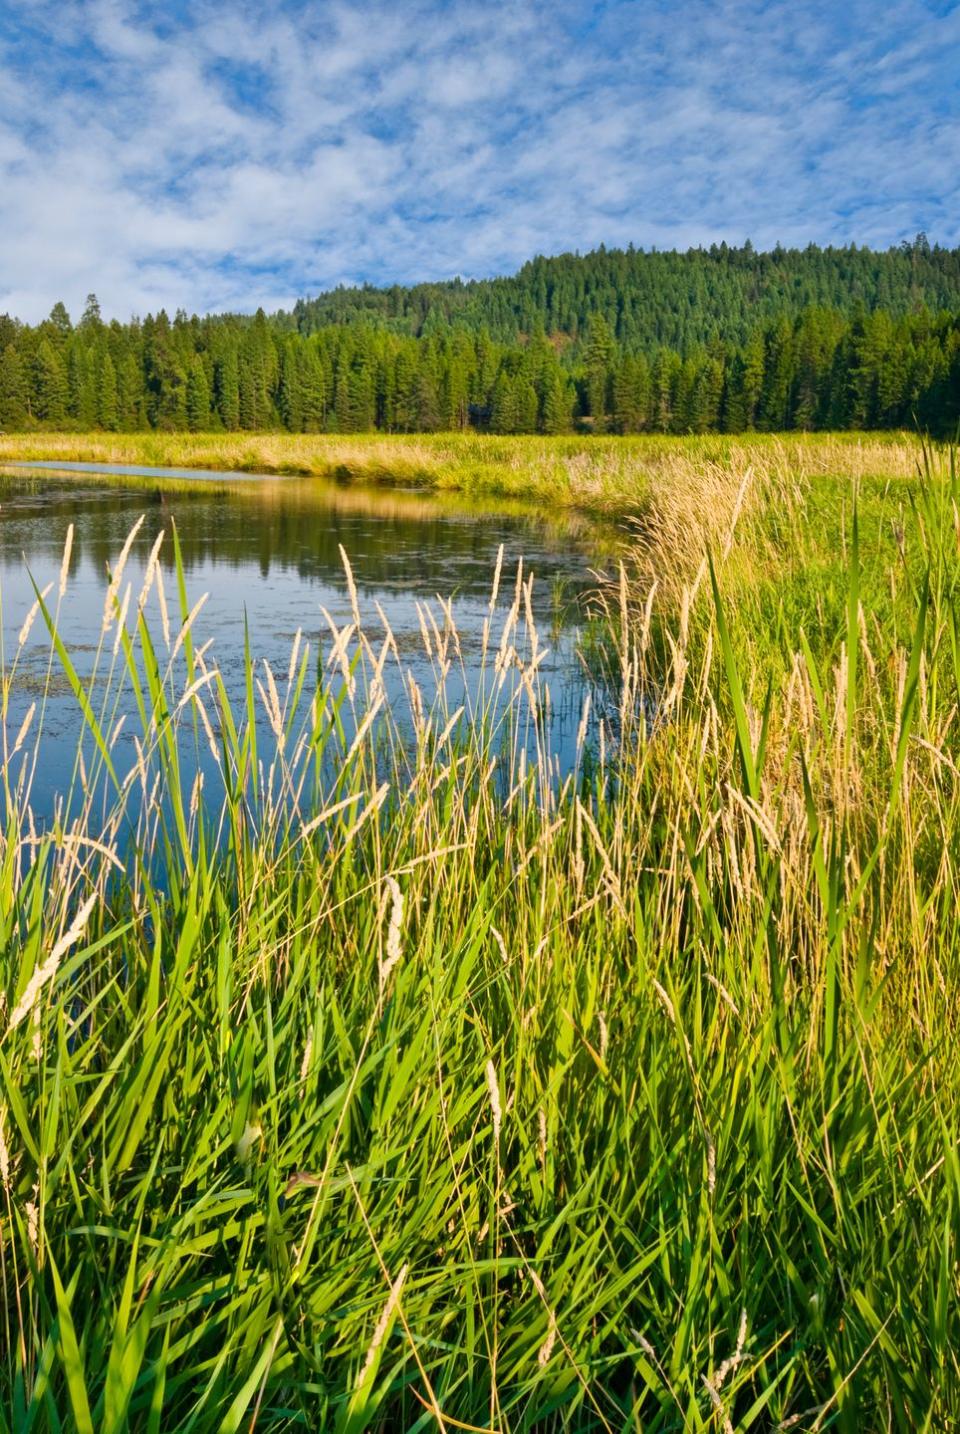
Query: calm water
(267, 553)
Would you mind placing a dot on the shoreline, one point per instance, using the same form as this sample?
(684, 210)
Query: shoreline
(618, 476)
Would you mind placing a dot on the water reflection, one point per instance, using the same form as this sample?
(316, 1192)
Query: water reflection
(268, 554)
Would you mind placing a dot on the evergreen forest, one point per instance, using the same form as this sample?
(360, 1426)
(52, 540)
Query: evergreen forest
(721, 339)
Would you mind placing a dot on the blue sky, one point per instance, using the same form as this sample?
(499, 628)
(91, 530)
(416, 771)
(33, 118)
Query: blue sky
(225, 155)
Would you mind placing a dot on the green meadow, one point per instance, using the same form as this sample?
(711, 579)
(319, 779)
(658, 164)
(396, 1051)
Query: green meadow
(390, 1082)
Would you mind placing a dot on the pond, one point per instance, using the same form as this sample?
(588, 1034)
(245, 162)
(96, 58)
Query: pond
(267, 553)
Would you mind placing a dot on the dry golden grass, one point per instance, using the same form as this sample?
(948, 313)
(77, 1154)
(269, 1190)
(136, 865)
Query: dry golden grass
(615, 475)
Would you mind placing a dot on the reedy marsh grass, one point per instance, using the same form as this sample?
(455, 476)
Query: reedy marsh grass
(623, 1103)
(613, 475)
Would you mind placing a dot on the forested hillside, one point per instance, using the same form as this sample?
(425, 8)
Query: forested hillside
(653, 299)
(624, 342)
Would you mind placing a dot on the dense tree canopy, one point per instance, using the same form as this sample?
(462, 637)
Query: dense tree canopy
(657, 299)
(626, 342)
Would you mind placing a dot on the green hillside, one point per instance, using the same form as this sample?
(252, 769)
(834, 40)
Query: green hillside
(679, 300)
(725, 340)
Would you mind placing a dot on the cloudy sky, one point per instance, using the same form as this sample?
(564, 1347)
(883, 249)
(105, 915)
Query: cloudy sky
(224, 155)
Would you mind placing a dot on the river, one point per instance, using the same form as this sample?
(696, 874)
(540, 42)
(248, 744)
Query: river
(266, 552)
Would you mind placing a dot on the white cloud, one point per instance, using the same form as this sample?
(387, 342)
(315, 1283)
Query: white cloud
(244, 156)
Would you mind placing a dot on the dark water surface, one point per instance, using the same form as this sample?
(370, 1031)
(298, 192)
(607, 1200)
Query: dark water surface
(267, 551)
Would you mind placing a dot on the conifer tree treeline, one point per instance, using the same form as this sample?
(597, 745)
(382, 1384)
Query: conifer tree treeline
(660, 298)
(852, 362)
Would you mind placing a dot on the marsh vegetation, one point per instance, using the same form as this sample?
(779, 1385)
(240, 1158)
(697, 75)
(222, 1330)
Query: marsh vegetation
(617, 477)
(390, 1077)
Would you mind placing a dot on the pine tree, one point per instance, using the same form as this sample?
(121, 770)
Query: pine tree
(291, 388)
(360, 397)
(166, 378)
(455, 386)
(254, 398)
(386, 374)
(404, 416)
(557, 406)
(835, 404)
(341, 419)
(779, 370)
(891, 385)
(427, 390)
(198, 397)
(598, 362)
(699, 394)
(504, 405)
(753, 366)
(806, 384)
(108, 406)
(228, 390)
(13, 390)
(60, 321)
(664, 384)
(487, 366)
(631, 394)
(81, 383)
(732, 414)
(50, 385)
(930, 373)
(743, 386)
(91, 320)
(528, 406)
(130, 397)
(312, 390)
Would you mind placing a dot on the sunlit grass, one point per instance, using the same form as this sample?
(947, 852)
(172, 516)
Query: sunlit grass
(381, 1084)
(615, 475)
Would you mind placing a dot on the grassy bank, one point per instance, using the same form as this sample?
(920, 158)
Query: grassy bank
(625, 1103)
(613, 475)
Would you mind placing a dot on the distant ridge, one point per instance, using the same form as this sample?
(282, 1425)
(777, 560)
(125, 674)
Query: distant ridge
(659, 297)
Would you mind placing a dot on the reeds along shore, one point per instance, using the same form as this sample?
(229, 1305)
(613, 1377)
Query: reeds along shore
(613, 475)
(360, 1088)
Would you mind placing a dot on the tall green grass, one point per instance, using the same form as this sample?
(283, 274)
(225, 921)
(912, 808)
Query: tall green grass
(380, 1084)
